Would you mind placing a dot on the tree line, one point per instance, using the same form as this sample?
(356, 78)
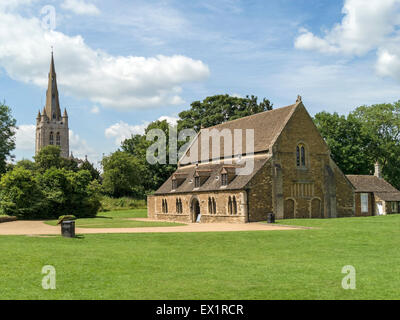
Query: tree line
(357, 140)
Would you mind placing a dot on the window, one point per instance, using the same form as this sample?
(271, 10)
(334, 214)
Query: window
(179, 208)
(224, 179)
(174, 184)
(301, 155)
(230, 205)
(234, 206)
(364, 202)
(214, 206)
(394, 207)
(58, 139)
(51, 138)
(197, 182)
(164, 206)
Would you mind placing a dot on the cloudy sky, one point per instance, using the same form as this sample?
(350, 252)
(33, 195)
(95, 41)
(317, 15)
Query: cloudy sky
(122, 64)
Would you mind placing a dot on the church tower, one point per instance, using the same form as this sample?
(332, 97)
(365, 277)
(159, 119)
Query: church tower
(51, 125)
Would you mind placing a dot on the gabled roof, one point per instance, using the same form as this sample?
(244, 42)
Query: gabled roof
(367, 183)
(379, 186)
(267, 127)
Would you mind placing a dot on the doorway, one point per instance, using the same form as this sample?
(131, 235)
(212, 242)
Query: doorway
(196, 211)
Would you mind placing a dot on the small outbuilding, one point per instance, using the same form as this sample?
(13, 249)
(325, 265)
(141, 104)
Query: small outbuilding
(374, 196)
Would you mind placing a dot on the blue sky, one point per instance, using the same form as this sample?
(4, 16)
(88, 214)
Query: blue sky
(121, 64)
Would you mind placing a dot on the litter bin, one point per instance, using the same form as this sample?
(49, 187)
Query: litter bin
(68, 229)
(271, 218)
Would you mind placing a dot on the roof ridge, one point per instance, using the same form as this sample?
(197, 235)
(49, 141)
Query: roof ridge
(252, 115)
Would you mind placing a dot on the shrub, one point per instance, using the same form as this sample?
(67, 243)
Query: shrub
(55, 192)
(111, 204)
(20, 194)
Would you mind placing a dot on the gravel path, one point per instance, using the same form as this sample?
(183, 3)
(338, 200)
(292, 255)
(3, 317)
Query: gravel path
(40, 228)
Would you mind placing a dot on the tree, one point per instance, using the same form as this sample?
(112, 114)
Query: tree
(381, 122)
(367, 135)
(122, 174)
(94, 173)
(153, 175)
(218, 109)
(48, 157)
(20, 194)
(348, 145)
(7, 135)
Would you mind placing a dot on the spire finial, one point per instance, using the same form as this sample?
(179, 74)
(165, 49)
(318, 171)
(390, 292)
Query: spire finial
(298, 98)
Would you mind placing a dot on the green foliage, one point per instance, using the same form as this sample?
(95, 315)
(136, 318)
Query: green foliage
(153, 175)
(26, 164)
(122, 174)
(348, 145)
(20, 194)
(211, 111)
(366, 135)
(7, 136)
(218, 109)
(48, 157)
(53, 193)
(124, 203)
(86, 165)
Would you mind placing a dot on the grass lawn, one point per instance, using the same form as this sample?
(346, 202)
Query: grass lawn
(296, 264)
(118, 219)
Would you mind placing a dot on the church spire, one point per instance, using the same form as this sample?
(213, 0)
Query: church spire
(53, 110)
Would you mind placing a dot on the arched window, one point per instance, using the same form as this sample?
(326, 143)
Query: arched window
(234, 205)
(180, 206)
(58, 139)
(51, 138)
(177, 206)
(301, 155)
(166, 206)
(210, 211)
(230, 205)
(214, 206)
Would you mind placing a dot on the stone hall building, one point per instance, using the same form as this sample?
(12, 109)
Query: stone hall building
(292, 176)
(51, 125)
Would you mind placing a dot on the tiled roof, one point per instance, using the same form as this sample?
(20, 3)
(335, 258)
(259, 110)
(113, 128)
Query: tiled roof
(267, 127)
(213, 183)
(388, 196)
(364, 183)
(380, 187)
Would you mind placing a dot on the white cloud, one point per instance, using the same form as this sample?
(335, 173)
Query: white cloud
(80, 148)
(25, 137)
(121, 82)
(95, 110)
(122, 131)
(80, 7)
(366, 25)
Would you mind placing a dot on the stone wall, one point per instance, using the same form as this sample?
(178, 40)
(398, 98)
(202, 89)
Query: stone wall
(155, 210)
(317, 189)
(260, 194)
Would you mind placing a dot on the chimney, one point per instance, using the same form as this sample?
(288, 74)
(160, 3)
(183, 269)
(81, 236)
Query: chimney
(377, 170)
